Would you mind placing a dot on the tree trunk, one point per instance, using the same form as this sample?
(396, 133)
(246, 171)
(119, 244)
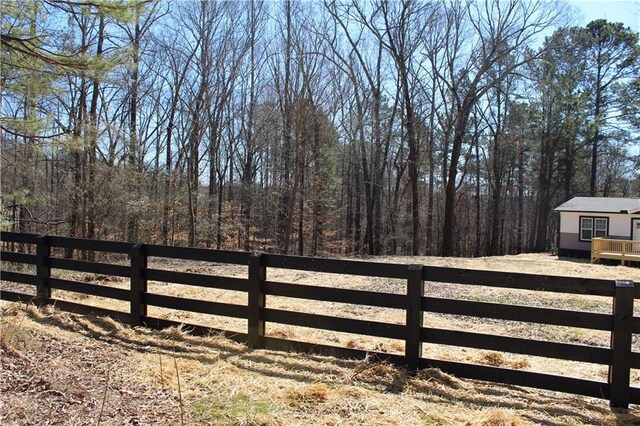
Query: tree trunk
(93, 144)
(135, 162)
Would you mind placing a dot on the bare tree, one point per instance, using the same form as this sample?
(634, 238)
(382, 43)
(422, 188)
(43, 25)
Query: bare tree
(497, 29)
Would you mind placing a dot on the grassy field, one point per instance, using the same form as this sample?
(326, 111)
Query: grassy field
(59, 368)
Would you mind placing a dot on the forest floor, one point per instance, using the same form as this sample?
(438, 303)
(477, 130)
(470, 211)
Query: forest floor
(61, 368)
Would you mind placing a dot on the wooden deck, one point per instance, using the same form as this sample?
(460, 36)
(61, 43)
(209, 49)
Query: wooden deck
(622, 250)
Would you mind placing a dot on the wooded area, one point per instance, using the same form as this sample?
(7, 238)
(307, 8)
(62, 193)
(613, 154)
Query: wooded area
(365, 127)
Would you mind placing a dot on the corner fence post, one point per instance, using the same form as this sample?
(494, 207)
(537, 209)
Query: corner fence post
(43, 271)
(415, 291)
(620, 368)
(256, 300)
(138, 284)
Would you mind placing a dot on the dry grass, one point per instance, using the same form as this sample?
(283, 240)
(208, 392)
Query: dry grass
(53, 375)
(58, 368)
(83, 370)
(497, 417)
(308, 395)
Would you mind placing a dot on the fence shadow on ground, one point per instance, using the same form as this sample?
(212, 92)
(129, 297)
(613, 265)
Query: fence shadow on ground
(430, 386)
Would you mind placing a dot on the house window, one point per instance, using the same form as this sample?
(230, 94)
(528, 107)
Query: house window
(586, 228)
(593, 227)
(600, 229)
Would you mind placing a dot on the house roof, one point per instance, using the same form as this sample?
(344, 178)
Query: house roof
(600, 205)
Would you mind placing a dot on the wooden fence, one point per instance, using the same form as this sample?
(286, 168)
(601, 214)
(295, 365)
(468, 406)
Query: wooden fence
(621, 323)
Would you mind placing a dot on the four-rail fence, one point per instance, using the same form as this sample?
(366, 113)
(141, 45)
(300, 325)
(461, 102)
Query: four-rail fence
(415, 302)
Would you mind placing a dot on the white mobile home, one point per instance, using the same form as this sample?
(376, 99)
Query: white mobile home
(585, 218)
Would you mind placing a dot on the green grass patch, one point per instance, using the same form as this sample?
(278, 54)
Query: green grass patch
(489, 299)
(239, 409)
(585, 305)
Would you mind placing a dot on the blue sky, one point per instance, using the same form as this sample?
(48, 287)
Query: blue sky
(625, 11)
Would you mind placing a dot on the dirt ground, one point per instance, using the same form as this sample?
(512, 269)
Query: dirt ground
(530, 263)
(59, 368)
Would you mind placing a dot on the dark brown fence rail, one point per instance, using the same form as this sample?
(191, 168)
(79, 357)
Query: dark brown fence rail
(35, 250)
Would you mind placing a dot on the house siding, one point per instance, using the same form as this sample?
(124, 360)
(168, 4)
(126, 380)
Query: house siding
(572, 241)
(569, 243)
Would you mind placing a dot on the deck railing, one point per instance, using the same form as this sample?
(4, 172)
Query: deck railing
(622, 250)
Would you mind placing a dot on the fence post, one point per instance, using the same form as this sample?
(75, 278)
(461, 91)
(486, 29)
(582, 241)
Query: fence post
(256, 301)
(620, 368)
(138, 284)
(415, 291)
(43, 271)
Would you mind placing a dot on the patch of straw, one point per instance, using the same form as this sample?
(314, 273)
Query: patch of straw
(521, 363)
(498, 417)
(434, 374)
(495, 359)
(309, 395)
